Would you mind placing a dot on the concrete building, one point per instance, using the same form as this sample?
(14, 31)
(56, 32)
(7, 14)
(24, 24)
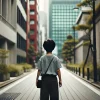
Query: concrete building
(8, 30)
(61, 20)
(81, 51)
(13, 29)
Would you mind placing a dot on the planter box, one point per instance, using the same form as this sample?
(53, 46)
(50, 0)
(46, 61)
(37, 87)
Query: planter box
(27, 70)
(13, 74)
(21, 72)
(8, 76)
(4, 77)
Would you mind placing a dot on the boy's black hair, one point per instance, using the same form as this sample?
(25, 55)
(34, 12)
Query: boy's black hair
(49, 45)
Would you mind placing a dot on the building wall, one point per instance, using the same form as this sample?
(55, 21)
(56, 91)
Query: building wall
(8, 22)
(79, 53)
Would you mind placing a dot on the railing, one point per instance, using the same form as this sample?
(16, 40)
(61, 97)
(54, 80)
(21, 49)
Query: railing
(84, 72)
(6, 22)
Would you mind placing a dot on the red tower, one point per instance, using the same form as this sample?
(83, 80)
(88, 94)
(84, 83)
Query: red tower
(33, 24)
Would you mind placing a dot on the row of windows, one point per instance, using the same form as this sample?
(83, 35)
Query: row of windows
(64, 10)
(66, 21)
(32, 22)
(32, 12)
(58, 29)
(63, 22)
(64, 14)
(20, 20)
(32, 2)
(62, 26)
(31, 31)
(63, 6)
(21, 59)
(32, 42)
(62, 32)
(23, 4)
(21, 42)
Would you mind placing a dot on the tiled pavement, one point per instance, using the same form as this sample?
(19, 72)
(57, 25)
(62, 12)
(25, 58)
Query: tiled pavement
(72, 89)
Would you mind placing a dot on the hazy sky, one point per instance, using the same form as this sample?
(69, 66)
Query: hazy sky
(41, 5)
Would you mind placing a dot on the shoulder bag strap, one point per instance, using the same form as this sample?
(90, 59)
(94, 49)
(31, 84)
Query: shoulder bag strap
(49, 65)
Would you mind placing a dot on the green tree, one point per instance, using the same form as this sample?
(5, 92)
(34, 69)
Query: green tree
(68, 48)
(3, 55)
(31, 55)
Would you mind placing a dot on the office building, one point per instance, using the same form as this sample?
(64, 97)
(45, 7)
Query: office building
(62, 19)
(13, 29)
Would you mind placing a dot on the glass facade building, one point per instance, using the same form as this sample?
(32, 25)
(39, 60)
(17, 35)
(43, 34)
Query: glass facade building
(62, 19)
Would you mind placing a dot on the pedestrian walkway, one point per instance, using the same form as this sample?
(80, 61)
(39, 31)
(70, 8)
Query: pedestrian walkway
(72, 89)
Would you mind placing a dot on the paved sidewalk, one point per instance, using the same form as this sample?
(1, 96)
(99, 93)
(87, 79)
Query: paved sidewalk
(97, 84)
(73, 89)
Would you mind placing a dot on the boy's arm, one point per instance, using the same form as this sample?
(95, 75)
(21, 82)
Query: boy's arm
(59, 76)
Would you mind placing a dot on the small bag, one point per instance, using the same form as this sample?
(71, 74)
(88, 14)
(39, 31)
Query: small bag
(39, 83)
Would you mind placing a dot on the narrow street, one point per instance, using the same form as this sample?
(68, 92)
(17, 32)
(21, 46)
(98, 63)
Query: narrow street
(73, 89)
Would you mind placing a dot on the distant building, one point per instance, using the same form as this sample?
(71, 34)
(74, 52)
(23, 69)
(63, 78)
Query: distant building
(43, 29)
(62, 19)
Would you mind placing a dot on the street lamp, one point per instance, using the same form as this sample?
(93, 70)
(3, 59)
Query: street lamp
(74, 34)
(94, 45)
(74, 43)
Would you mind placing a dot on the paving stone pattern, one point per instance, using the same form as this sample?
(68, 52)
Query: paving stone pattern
(71, 90)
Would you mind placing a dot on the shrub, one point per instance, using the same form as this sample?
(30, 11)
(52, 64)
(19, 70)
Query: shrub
(26, 66)
(4, 69)
(15, 68)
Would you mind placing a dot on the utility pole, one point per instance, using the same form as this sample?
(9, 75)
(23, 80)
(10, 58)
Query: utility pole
(94, 45)
(74, 43)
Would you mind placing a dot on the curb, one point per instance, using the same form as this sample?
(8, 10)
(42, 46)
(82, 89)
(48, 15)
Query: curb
(15, 79)
(92, 83)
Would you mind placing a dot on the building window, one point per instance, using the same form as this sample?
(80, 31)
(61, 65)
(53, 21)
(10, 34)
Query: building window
(32, 42)
(23, 4)
(31, 32)
(20, 19)
(32, 12)
(21, 59)
(21, 42)
(32, 2)
(32, 22)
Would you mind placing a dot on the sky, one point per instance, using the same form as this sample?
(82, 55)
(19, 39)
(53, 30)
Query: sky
(41, 5)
